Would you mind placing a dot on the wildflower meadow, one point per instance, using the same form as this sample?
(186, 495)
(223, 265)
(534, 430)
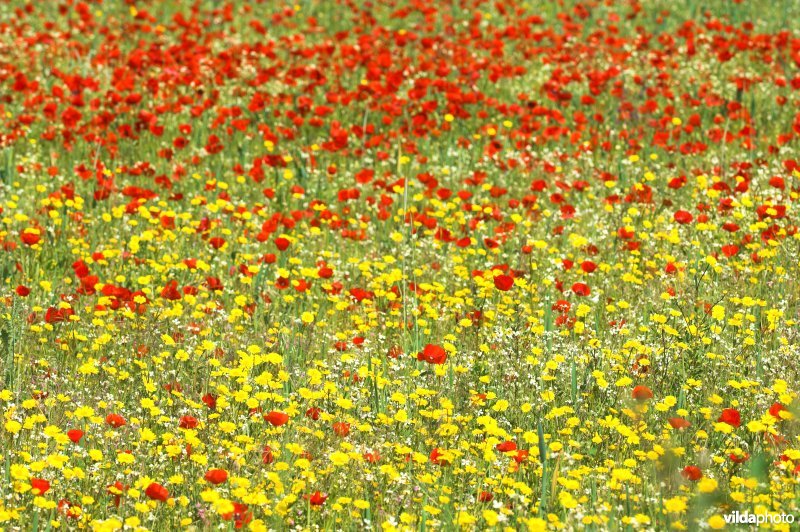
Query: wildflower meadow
(399, 265)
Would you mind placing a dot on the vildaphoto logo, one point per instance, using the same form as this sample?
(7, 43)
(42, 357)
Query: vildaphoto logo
(745, 518)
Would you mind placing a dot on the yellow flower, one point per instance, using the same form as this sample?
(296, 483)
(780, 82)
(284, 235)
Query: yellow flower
(723, 428)
(675, 505)
(566, 500)
(491, 517)
(109, 525)
(84, 412)
(623, 475)
(223, 506)
(125, 458)
(716, 522)
(19, 472)
(500, 406)
(707, 485)
(227, 427)
(339, 458)
(756, 426)
(13, 426)
(536, 524)
(57, 461)
(343, 403)
(464, 519)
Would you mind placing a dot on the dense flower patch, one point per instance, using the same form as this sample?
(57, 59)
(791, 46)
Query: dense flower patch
(399, 265)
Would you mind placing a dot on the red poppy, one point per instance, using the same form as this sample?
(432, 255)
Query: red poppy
(562, 306)
(170, 291)
(642, 393)
(282, 243)
(504, 282)
(683, 217)
(188, 422)
(588, 266)
(216, 242)
(730, 416)
(216, 476)
(210, 401)
(22, 291)
(776, 409)
(115, 420)
(266, 455)
(240, 515)
(679, 423)
(394, 351)
(214, 284)
(435, 458)
(432, 354)
(506, 446)
(485, 496)
(68, 509)
(39, 486)
(116, 491)
(75, 435)
(341, 429)
(313, 413)
(157, 492)
(625, 234)
(730, 227)
(372, 457)
(777, 182)
(276, 419)
(54, 315)
(739, 459)
(316, 498)
(692, 473)
(30, 238)
(581, 289)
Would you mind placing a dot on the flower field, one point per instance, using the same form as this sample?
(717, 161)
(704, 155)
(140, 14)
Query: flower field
(399, 265)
